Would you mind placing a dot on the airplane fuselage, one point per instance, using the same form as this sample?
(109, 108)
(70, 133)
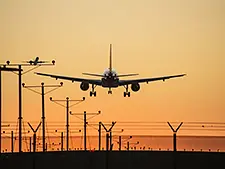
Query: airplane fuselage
(110, 79)
(112, 82)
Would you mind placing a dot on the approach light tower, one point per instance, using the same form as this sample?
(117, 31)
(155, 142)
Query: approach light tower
(85, 123)
(109, 136)
(43, 93)
(67, 113)
(175, 135)
(34, 135)
(4, 68)
(7, 66)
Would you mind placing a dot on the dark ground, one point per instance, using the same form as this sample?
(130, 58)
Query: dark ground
(116, 160)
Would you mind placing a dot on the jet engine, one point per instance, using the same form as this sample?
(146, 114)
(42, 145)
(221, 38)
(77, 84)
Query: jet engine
(135, 87)
(84, 86)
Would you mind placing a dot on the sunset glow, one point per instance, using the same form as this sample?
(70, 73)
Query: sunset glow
(150, 37)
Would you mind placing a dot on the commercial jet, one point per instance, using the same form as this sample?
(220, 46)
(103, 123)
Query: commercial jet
(35, 61)
(110, 79)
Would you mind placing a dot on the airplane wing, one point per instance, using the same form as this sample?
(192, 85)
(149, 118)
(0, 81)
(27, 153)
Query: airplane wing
(126, 82)
(27, 61)
(73, 79)
(42, 61)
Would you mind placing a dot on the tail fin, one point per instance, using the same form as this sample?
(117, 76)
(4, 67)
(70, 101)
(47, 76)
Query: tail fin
(110, 58)
(36, 59)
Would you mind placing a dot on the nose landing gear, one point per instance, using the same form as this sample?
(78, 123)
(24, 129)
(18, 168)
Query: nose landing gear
(110, 91)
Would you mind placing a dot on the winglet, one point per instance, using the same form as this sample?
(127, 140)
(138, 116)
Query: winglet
(36, 73)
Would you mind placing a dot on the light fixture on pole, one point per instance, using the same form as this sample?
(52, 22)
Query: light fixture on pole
(67, 113)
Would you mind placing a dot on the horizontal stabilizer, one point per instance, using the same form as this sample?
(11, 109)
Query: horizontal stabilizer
(92, 74)
(127, 75)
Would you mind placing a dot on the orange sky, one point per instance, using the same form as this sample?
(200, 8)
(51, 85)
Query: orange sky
(149, 37)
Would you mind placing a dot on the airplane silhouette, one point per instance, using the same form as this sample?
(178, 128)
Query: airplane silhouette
(109, 79)
(35, 61)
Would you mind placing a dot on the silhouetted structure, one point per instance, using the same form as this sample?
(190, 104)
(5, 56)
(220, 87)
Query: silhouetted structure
(175, 135)
(5, 66)
(175, 142)
(43, 104)
(85, 124)
(67, 114)
(108, 136)
(110, 79)
(34, 135)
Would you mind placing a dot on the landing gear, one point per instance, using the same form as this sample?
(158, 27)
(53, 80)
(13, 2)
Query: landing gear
(126, 93)
(93, 92)
(110, 91)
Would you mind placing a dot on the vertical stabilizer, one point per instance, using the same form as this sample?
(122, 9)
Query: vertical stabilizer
(110, 58)
(36, 59)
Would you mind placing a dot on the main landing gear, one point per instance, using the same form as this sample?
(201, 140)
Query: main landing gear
(126, 93)
(93, 92)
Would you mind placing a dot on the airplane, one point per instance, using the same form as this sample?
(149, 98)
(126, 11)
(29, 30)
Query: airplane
(109, 79)
(35, 61)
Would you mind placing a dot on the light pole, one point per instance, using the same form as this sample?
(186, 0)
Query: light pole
(34, 135)
(175, 135)
(67, 114)
(85, 124)
(61, 137)
(175, 142)
(120, 141)
(99, 135)
(4, 68)
(128, 144)
(108, 136)
(43, 93)
(20, 90)
(107, 142)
